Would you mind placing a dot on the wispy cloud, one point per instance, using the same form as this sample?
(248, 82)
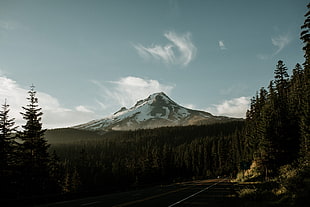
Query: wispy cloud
(158, 52)
(180, 50)
(222, 45)
(236, 107)
(83, 109)
(128, 90)
(280, 42)
(54, 115)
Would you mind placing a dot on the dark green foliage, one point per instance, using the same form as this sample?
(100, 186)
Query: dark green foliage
(8, 148)
(149, 156)
(277, 123)
(26, 168)
(7, 138)
(69, 135)
(281, 77)
(305, 111)
(274, 120)
(34, 149)
(278, 128)
(305, 36)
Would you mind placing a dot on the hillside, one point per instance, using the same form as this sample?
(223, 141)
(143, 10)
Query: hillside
(69, 135)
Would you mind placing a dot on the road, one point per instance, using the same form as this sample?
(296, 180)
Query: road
(213, 192)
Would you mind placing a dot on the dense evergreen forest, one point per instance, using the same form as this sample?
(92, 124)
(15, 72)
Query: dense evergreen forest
(271, 145)
(152, 156)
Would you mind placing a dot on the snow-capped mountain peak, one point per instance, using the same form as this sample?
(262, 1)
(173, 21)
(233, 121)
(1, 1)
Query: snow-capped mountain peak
(155, 111)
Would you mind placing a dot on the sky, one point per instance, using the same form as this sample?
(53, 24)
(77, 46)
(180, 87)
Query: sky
(89, 58)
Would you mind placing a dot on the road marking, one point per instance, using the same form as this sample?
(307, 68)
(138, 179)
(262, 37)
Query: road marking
(149, 198)
(88, 204)
(184, 199)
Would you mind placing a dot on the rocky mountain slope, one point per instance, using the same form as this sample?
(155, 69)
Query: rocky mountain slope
(157, 110)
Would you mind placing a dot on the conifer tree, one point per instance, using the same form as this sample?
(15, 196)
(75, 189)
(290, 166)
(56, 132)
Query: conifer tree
(34, 147)
(296, 93)
(8, 148)
(7, 138)
(305, 36)
(56, 173)
(281, 76)
(286, 131)
(305, 118)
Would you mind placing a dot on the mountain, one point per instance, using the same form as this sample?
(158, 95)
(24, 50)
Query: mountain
(157, 110)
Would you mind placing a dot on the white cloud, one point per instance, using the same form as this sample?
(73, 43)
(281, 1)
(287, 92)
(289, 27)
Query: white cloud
(165, 53)
(280, 42)
(222, 45)
(81, 108)
(54, 115)
(236, 107)
(180, 51)
(128, 90)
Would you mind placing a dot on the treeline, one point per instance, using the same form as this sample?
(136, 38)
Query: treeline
(277, 129)
(26, 167)
(277, 123)
(153, 156)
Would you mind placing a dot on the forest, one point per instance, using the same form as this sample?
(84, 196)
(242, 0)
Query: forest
(151, 156)
(271, 145)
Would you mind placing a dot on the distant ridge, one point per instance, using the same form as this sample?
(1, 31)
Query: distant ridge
(158, 110)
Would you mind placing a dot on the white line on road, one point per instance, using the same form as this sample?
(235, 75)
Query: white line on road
(184, 199)
(88, 204)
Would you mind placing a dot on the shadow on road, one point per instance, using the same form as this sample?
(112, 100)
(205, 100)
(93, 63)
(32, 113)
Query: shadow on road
(214, 192)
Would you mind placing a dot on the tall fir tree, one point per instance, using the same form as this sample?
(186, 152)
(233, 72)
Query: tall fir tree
(305, 117)
(8, 147)
(7, 138)
(34, 148)
(281, 76)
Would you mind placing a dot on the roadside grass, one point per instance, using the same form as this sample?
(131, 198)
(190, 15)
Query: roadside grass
(289, 189)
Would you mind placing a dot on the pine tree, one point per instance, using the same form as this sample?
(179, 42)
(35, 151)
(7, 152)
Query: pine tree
(56, 171)
(34, 147)
(7, 138)
(285, 127)
(8, 148)
(296, 92)
(305, 117)
(305, 36)
(281, 76)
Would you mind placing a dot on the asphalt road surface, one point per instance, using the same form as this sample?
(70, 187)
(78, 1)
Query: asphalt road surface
(213, 192)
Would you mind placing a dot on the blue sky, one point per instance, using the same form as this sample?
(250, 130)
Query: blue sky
(89, 58)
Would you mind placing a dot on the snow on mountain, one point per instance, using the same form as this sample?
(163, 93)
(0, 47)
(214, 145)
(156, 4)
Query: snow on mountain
(157, 110)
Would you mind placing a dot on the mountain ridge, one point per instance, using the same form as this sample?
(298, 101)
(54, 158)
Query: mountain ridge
(157, 110)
